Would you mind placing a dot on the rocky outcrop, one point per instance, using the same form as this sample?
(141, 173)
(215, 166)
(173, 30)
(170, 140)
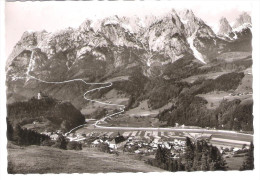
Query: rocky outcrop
(224, 27)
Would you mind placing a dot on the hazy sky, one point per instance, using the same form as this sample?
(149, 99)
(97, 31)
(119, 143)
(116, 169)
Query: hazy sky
(51, 16)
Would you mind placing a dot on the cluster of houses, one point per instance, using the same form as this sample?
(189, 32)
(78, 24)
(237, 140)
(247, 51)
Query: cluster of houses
(41, 95)
(144, 145)
(113, 143)
(132, 144)
(233, 151)
(149, 146)
(53, 135)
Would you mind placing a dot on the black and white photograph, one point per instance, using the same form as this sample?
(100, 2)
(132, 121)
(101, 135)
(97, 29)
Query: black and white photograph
(123, 87)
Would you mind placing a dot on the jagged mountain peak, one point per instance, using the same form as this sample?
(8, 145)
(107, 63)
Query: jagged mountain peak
(243, 18)
(168, 16)
(86, 25)
(223, 20)
(173, 12)
(187, 14)
(174, 19)
(192, 24)
(134, 24)
(224, 27)
(112, 20)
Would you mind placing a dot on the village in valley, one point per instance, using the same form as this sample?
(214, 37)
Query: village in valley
(146, 143)
(141, 142)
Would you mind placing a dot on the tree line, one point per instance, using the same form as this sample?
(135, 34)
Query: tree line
(248, 163)
(62, 115)
(192, 111)
(198, 156)
(23, 136)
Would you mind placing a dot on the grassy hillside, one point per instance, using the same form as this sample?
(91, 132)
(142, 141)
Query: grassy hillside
(214, 98)
(39, 159)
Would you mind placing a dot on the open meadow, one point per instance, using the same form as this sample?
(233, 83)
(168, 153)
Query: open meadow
(40, 159)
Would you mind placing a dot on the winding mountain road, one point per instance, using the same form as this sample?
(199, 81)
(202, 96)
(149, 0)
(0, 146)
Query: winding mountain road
(122, 109)
(105, 85)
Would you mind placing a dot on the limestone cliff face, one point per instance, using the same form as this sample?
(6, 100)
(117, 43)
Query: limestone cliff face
(166, 36)
(74, 52)
(97, 49)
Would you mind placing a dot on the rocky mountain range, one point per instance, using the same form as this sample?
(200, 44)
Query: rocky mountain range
(239, 29)
(99, 49)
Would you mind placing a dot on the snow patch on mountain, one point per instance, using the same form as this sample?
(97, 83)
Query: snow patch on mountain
(31, 64)
(141, 23)
(235, 36)
(111, 22)
(214, 27)
(127, 27)
(184, 21)
(30, 31)
(196, 53)
(148, 63)
(243, 26)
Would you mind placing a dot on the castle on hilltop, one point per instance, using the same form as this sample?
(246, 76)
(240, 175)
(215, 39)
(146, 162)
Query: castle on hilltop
(41, 95)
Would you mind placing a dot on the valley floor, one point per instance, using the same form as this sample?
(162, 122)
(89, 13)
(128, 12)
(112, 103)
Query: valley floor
(41, 159)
